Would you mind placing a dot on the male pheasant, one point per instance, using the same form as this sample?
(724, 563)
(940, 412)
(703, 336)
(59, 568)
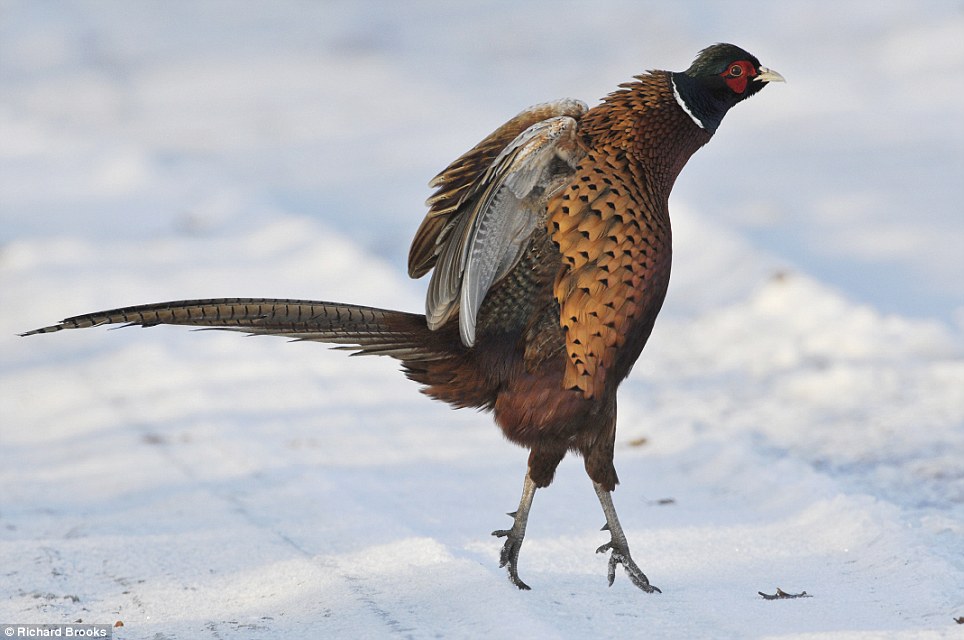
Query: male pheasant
(549, 244)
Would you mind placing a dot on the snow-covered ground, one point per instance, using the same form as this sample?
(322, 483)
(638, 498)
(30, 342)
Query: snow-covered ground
(797, 420)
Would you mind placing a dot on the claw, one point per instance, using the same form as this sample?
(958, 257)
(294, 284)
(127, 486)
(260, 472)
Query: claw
(619, 547)
(611, 575)
(509, 556)
(635, 574)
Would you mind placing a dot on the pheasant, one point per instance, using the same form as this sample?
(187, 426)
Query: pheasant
(549, 244)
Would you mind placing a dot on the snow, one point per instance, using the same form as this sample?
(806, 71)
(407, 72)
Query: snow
(797, 420)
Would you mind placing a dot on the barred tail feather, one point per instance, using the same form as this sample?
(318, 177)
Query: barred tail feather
(364, 329)
(435, 359)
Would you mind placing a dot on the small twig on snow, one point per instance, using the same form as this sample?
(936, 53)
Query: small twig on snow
(783, 595)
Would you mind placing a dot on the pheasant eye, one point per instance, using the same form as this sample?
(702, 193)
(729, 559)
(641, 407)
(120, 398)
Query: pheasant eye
(736, 71)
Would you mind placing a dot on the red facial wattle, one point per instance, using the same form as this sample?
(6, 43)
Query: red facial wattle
(738, 75)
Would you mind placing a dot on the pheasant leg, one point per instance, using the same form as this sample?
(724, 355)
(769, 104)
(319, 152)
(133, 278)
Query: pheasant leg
(514, 536)
(618, 545)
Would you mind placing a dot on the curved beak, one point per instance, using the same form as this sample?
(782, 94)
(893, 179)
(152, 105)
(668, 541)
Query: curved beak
(768, 75)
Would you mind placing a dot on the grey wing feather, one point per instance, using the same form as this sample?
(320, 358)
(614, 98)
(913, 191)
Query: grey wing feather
(485, 242)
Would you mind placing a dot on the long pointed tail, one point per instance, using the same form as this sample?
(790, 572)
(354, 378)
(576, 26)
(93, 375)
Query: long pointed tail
(364, 329)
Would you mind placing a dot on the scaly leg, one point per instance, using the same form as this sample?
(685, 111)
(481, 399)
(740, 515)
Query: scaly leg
(515, 535)
(618, 544)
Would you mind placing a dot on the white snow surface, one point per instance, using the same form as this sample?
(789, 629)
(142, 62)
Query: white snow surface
(797, 420)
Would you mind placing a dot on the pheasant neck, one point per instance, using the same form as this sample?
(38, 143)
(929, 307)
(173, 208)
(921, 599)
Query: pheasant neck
(645, 124)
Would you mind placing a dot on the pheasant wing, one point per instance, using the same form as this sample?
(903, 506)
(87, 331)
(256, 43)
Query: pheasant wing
(489, 229)
(461, 181)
